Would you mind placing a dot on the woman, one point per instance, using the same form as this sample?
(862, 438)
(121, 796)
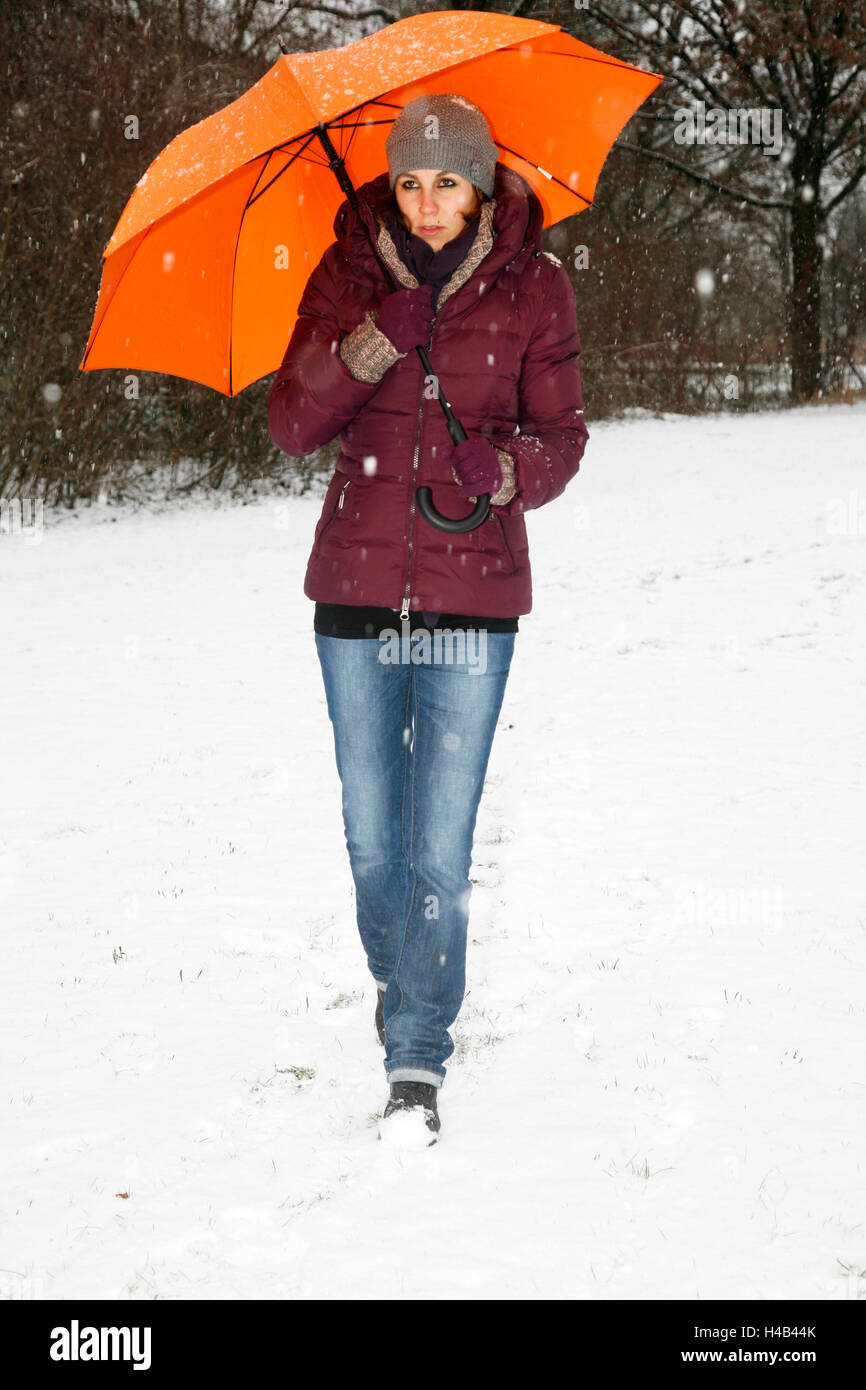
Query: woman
(461, 235)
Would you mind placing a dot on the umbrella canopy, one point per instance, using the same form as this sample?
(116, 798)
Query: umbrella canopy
(206, 266)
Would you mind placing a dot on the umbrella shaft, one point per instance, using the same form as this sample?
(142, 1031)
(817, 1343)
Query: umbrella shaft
(336, 163)
(455, 429)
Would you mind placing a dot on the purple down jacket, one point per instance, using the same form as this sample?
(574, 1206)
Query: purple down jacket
(505, 348)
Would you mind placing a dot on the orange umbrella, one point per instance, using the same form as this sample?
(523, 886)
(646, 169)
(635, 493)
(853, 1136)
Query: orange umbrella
(205, 269)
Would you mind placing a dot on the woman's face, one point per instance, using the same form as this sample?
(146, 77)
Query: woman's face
(431, 201)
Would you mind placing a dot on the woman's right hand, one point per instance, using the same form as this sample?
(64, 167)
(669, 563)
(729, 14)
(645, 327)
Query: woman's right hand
(406, 317)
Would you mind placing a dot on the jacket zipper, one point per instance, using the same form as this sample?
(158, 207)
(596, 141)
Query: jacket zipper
(343, 493)
(404, 611)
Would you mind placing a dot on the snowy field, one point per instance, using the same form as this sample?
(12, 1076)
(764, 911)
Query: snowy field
(658, 1086)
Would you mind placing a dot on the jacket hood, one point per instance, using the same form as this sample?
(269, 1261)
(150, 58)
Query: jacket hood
(517, 223)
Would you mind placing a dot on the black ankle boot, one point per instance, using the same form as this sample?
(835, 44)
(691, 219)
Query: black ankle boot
(413, 1095)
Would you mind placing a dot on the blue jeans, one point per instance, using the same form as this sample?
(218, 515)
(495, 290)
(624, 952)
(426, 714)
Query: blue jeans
(412, 743)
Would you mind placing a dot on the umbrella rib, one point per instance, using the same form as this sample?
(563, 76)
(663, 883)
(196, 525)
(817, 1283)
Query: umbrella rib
(371, 101)
(354, 131)
(253, 195)
(552, 177)
(297, 154)
(96, 327)
(603, 62)
(247, 205)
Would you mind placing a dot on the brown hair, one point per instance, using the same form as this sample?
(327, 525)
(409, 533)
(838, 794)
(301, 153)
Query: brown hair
(385, 202)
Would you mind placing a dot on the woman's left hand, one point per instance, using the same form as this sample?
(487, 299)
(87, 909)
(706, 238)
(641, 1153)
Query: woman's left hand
(475, 466)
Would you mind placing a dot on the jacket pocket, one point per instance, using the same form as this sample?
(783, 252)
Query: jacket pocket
(509, 553)
(336, 509)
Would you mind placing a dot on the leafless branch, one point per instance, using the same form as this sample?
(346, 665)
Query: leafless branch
(697, 177)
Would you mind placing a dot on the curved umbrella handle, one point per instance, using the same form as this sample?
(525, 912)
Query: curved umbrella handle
(448, 523)
(423, 495)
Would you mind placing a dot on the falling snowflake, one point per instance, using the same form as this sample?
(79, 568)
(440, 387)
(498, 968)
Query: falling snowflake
(705, 283)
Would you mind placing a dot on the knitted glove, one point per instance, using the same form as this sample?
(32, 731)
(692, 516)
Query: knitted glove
(475, 466)
(406, 317)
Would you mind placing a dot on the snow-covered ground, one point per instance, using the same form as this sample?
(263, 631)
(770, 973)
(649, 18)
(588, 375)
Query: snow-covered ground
(658, 1086)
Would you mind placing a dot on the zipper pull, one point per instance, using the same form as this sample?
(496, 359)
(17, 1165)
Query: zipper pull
(343, 493)
(404, 611)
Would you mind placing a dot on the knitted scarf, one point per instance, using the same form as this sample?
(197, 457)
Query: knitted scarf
(428, 266)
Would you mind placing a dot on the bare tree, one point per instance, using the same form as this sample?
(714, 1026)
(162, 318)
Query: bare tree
(798, 63)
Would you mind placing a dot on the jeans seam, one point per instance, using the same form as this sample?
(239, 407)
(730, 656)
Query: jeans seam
(411, 693)
(407, 857)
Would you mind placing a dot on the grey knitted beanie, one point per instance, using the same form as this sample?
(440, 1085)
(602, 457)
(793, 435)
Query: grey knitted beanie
(443, 131)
